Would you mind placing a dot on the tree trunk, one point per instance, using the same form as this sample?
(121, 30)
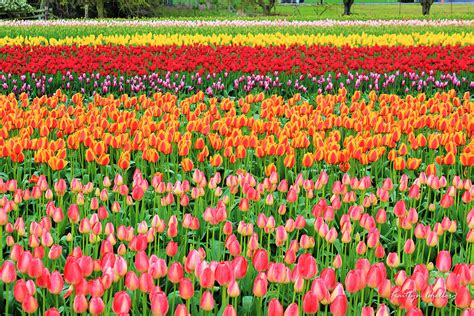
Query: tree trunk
(100, 9)
(46, 9)
(426, 5)
(267, 9)
(347, 7)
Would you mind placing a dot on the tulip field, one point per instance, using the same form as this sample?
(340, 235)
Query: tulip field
(244, 167)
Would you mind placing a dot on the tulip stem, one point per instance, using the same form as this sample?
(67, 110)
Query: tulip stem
(224, 296)
(136, 212)
(71, 302)
(144, 304)
(1, 243)
(259, 306)
(71, 247)
(6, 297)
(429, 254)
(356, 303)
(174, 297)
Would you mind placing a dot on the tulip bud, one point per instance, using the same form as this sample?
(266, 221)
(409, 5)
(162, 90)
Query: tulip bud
(207, 301)
(121, 303)
(310, 303)
(159, 304)
(80, 304)
(275, 308)
(443, 261)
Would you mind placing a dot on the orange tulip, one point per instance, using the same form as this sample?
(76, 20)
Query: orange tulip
(399, 163)
(187, 165)
(103, 160)
(413, 163)
(124, 161)
(289, 161)
(308, 160)
(431, 169)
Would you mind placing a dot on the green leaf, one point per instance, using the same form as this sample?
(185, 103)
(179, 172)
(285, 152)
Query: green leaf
(247, 304)
(217, 248)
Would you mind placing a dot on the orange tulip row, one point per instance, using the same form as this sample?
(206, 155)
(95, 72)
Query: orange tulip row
(336, 129)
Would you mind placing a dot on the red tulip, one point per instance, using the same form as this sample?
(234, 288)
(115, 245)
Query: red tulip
(409, 246)
(145, 282)
(20, 291)
(141, 261)
(30, 304)
(192, 259)
(175, 272)
(393, 260)
(73, 213)
(72, 271)
(181, 310)
(96, 306)
(310, 303)
(137, 193)
(35, 269)
(339, 306)
(319, 288)
(80, 304)
(275, 308)
(52, 312)
(186, 289)
(56, 283)
(260, 286)
(367, 311)
(159, 304)
(292, 310)
(55, 252)
(171, 249)
(355, 281)
(233, 289)
(8, 272)
(239, 267)
(453, 282)
(131, 281)
(382, 310)
(400, 209)
(446, 201)
(443, 261)
(229, 311)
(463, 297)
(260, 260)
(278, 273)
(223, 273)
(24, 262)
(207, 301)
(307, 267)
(207, 278)
(121, 303)
(414, 312)
(440, 298)
(337, 262)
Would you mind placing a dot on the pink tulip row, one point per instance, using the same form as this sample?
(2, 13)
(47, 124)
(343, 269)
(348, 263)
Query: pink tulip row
(293, 247)
(237, 23)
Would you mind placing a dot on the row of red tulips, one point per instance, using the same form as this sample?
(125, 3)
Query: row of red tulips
(206, 59)
(321, 244)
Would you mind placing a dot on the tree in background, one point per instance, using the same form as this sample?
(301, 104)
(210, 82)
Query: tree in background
(127, 7)
(266, 5)
(99, 8)
(347, 6)
(11, 8)
(425, 6)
